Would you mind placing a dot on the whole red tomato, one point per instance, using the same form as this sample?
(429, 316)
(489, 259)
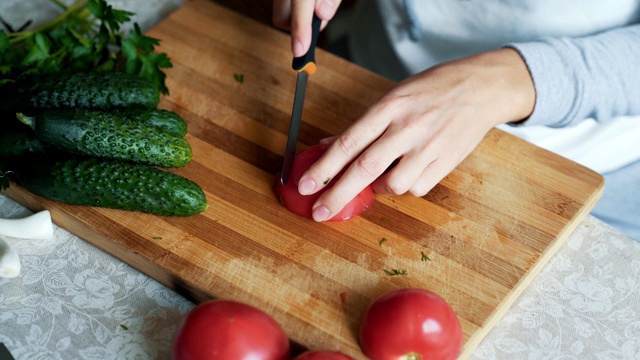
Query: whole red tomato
(303, 204)
(222, 329)
(410, 324)
(322, 355)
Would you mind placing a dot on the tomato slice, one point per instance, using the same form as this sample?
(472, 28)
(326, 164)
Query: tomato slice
(410, 324)
(223, 329)
(303, 204)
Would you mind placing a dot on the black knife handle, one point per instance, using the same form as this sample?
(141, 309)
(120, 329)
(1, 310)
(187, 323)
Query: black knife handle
(307, 62)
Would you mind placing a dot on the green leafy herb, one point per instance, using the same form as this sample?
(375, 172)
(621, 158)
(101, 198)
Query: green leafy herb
(85, 37)
(396, 272)
(140, 58)
(157, 238)
(125, 327)
(382, 240)
(327, 181)
(239, 78)
(424, 257)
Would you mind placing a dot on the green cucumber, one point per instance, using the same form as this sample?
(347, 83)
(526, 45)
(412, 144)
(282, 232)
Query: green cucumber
(113, 184)
(108, 134)
(99, 90)
(167, 120)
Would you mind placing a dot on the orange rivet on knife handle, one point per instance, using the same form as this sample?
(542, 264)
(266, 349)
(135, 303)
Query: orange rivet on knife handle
(310, 68)
(307, 62)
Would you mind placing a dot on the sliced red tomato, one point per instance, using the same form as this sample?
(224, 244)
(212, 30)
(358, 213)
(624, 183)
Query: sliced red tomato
(222, 329)
(410, 324)
(322, 355)
(303, 204)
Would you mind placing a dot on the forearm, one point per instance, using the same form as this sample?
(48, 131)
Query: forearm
(577, 78)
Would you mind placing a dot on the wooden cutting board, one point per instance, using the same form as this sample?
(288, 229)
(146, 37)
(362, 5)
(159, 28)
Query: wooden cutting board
(488, 228)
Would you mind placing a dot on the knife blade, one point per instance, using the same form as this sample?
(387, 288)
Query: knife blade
(305, 65)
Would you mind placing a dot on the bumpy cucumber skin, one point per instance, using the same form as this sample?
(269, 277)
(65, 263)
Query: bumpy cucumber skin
(167, 120)
(111, 135)
(98, 90)
(114, 184)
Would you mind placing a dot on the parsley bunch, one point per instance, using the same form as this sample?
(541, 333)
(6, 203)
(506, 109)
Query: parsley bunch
(85, 37)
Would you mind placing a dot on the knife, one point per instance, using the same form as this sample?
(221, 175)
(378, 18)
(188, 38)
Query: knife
(305, 65)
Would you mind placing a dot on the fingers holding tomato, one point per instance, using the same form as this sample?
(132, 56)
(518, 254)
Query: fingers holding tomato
(303, 204)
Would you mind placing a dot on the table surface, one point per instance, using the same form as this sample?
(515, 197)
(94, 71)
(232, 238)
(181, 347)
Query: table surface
(73, 301)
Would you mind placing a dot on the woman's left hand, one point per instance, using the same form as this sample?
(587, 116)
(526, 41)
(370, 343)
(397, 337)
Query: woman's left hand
(429, 123)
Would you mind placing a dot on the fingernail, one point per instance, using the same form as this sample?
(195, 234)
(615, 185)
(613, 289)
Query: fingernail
(306, 186)
(328, 140)
(325, 9)
(321, 213)
(297, 49)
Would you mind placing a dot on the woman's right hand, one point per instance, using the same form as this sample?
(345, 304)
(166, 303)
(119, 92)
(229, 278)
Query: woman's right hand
(296, 16)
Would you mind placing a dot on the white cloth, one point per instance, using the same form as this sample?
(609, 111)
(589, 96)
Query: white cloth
(584, 143)
(454, 29)
(74, 301)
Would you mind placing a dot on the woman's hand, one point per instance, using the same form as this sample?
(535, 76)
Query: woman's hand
(429, 123)
(296, 15)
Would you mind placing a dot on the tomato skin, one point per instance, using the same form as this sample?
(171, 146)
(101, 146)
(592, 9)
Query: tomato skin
(303, 204)
(322, 355)
(410, 321)
(223, 329)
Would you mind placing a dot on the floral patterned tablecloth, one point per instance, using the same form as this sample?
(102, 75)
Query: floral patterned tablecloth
(584, 304)
(74, 301)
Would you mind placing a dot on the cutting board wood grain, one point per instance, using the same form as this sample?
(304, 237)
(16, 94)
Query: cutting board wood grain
(487, 228)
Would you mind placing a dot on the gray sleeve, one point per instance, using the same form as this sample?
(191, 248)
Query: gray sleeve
(590, 77)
